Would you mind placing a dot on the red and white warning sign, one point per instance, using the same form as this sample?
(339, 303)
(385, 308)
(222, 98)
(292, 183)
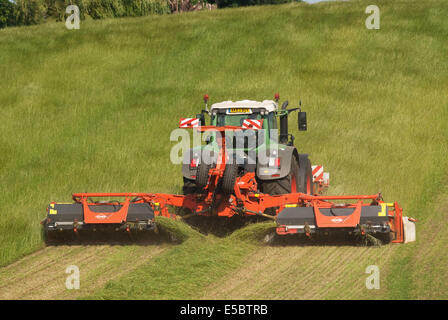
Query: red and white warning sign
(252, 124)
(318, 173)
(189, 123)
(323, 178)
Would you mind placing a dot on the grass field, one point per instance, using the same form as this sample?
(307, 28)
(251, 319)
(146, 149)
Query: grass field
(92, 110)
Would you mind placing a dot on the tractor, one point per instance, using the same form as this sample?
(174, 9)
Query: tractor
(278, 166)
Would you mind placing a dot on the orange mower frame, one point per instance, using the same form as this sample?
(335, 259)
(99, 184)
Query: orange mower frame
(247, 200)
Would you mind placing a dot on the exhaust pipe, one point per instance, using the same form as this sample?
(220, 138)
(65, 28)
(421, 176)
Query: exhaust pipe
(284, 124)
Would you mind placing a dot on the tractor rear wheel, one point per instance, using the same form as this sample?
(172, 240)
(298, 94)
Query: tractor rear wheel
(284, 185)
(229, 178)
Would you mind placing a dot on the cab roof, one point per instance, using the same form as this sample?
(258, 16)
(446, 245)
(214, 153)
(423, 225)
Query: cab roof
(269, 105)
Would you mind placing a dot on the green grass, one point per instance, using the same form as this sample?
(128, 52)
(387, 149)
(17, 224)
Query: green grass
(92, 110)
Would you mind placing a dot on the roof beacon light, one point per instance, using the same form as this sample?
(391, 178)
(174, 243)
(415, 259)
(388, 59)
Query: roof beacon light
(206, 102)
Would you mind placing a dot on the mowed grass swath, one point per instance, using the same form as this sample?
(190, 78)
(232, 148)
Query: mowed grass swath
(92, 110)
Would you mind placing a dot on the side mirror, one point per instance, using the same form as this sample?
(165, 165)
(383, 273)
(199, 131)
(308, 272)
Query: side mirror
(201, 118)
(302, 121)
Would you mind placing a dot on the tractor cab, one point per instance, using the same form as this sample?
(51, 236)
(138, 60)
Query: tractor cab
(249, 114)
(235, 113)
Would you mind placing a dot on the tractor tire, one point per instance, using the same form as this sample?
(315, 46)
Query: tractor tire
(229, 178)
(189, 187)
(202, 175)
(284, 185)
(305, 179)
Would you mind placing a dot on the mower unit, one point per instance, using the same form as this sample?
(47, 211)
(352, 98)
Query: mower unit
(86, 215)
(244, 169)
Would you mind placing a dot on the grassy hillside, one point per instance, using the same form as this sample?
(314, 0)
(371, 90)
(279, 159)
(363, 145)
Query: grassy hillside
(92, 110)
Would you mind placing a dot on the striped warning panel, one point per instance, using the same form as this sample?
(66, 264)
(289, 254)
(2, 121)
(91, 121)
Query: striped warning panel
(252, 124)
(189, 123)
(318, 173)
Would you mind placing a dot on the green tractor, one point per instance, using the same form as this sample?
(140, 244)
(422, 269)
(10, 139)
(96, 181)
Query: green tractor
(270, 153)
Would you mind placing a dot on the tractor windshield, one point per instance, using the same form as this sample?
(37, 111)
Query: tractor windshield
(241, 139)
(235, 119)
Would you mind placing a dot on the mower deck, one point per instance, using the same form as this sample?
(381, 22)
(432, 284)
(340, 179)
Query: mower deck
(96, 216)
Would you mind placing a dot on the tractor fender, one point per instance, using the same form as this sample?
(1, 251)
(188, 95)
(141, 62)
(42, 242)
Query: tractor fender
(266, 172)
(303, 160)
(198, 153)
(303, 172)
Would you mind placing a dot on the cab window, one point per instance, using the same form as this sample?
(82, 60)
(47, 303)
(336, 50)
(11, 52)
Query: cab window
(236, 119)
(272, 120)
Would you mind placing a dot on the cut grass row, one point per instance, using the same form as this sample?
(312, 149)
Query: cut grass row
(304, 272)
(186, 270)
(42, 275)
